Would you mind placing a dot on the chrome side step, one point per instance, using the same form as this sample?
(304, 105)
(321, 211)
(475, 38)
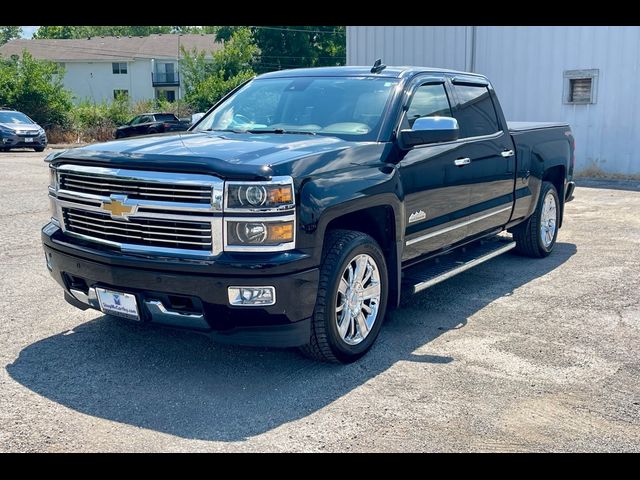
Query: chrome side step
(422, 276)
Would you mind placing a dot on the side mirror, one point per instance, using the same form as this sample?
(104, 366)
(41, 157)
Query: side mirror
(430, 130)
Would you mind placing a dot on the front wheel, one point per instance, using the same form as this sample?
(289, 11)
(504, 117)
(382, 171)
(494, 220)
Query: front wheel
(39, 149)
(352, 298)
(537, 236)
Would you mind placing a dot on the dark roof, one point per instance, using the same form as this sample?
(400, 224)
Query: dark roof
(110, 48)
(359, 71)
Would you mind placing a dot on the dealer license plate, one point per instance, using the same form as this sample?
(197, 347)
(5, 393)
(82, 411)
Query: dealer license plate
(28, 139)
(118, 303)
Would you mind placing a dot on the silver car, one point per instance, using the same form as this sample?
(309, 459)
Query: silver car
(18, 131)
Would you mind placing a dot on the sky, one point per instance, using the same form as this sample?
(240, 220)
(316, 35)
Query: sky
(27, 32)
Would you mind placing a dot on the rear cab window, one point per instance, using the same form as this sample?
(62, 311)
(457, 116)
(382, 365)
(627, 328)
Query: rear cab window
(475, 112)
(166, 117)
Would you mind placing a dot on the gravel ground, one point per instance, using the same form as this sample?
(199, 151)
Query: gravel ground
(516, 354)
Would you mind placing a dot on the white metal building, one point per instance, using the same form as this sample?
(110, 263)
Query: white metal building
(99, 68)
(586, 76)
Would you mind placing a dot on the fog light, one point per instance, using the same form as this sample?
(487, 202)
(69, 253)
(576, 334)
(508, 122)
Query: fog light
(252, 296)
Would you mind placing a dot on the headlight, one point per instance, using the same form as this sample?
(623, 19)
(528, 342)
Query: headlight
(260, 233)
(53, 178)
(53, 188)
(276, 195)
(6, 131)
(264, 233)
(53, 209)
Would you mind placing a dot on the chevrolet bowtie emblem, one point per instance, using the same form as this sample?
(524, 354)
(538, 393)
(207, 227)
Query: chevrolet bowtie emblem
(117, 208)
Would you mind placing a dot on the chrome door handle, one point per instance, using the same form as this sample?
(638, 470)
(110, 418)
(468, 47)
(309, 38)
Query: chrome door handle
(507, 153)
(460, 162)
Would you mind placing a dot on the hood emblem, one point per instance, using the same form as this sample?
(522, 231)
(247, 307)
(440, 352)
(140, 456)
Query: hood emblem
(118, 208)
(417, 216)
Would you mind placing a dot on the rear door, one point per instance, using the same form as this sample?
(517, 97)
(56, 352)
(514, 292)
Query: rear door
(489, 147)
(436, 190)
(145, 124)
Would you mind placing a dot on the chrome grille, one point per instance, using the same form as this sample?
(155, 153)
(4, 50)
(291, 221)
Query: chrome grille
(105, 185)
(168, 213)
(185, 235)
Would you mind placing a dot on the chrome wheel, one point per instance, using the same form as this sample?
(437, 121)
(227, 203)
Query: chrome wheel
(358, 299)
(548, 220)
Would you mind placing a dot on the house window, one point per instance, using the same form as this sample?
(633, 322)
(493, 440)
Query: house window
(580, 86)
(120, 94)
(119, 68)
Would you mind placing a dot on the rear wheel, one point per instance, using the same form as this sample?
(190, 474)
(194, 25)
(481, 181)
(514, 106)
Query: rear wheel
(537, 236)
(352, 298)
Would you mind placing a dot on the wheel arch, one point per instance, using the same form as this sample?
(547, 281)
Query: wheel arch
(381, 222)
(557, 176)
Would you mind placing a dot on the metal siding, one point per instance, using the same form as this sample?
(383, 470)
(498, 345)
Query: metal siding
(443, 47)
(526, 66)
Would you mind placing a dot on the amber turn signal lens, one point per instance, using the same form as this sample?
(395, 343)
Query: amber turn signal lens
(280, 195)
(280, 232)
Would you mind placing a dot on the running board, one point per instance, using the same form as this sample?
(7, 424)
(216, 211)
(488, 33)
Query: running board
(429, 273)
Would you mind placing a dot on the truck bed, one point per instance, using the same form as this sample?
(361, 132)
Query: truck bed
(522, 126)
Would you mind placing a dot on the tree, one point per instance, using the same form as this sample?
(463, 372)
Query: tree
(117, 30)
(35, 88)
(284, 47)
(9, 33)
(206, 81)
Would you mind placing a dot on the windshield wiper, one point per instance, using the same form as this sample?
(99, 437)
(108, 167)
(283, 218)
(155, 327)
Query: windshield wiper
(279, 131)
(223, 130)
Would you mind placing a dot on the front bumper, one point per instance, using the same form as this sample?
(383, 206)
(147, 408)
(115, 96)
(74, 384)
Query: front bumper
(191, 300)
(23, 141)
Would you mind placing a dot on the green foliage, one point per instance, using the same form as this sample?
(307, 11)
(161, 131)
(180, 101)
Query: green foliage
(67, 31)
(35, 88)
(8, 32)
(285, 47)
(207, 81)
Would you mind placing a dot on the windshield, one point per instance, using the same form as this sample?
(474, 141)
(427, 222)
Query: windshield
(347, 107)
(14, 117)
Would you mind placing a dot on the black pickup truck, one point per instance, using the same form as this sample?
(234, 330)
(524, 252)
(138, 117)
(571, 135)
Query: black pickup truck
(297, 210)
(150, 123)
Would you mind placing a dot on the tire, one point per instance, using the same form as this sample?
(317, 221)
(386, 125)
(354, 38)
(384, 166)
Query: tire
(532, 239)
(343, 250)
(39, 149)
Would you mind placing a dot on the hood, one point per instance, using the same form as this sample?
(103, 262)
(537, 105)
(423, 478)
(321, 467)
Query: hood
(21, 126)
(229, 155)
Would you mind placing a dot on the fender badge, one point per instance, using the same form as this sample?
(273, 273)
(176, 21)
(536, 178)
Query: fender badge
(417, 216)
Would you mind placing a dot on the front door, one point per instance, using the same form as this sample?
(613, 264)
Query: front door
(436, 189)
(489, 147)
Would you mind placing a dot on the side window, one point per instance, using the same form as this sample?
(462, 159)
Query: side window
(428, 101)
(476, 114)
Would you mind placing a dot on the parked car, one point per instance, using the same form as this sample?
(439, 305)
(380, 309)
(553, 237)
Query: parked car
(150, 123)
(302, 205)
(17, 130)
